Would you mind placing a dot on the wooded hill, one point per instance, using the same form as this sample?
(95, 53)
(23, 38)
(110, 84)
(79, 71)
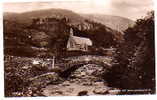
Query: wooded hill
(18, 28)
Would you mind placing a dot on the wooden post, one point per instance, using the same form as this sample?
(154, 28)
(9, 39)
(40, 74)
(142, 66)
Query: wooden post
(53, 62)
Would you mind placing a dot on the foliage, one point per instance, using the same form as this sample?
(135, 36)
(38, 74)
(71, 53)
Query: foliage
(136, 58)
(18, 71)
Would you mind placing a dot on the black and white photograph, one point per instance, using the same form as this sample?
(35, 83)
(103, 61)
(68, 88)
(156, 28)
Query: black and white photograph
(79, 48)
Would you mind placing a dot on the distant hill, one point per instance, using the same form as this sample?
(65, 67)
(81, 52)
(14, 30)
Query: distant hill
(25, 19)
(114, 22)
(26, 16)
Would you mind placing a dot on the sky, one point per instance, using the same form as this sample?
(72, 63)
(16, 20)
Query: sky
(132, 9)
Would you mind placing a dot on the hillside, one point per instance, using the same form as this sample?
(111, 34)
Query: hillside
(114, 22)
(21, 32)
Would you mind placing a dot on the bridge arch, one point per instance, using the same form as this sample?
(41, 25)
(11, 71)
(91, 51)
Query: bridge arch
(72, 66)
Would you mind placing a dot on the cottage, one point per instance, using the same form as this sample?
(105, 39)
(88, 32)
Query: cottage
(76, 43)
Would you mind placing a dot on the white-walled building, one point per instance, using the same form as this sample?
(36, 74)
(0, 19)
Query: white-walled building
(76, 43)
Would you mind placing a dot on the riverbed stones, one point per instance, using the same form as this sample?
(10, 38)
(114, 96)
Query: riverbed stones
(43, 79)
(100, 90)
(85, 80)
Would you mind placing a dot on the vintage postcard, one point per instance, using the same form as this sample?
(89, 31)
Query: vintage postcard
(79, 48)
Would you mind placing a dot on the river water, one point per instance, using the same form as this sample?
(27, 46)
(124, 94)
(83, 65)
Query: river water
(84, 81)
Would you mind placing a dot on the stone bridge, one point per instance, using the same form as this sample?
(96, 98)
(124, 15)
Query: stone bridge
(70, 64)
(78, 61)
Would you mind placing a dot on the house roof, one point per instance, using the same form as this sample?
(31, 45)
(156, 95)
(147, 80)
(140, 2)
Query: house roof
(81, 40)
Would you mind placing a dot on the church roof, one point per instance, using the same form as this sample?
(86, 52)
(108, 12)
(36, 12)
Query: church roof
(81, 40)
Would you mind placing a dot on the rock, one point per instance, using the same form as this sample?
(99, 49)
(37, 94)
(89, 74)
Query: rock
(57, 92)
(114, 91)
(66, 83)
(17, 94)
(34, 88)
(99, 83)
(26, 67)
(87, 83)
(83, 93)
(72, 80)
(83, 73)
(89, 72)
(100, 90)
(35, 95)
(70, 90)
(35, 62)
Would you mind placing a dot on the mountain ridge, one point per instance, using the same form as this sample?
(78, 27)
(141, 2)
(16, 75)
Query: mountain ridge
(114, 22)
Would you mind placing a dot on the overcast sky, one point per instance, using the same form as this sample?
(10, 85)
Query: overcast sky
(132, 9)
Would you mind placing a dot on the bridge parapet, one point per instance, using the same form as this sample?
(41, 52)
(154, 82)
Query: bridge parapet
(82, 60)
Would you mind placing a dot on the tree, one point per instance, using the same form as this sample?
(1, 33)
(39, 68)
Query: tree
(136, 58)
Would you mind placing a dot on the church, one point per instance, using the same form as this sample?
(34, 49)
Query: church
(76, 43)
